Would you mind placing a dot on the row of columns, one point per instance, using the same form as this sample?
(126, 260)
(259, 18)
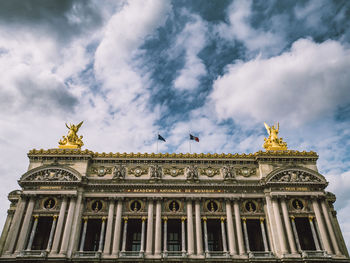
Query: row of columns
(320, 229)
(111, 247)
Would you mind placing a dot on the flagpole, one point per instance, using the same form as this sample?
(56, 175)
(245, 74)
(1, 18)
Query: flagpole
(157, 142)
(189, 142)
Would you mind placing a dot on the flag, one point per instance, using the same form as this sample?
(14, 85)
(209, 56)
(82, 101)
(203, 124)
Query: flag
(194, 138)
(161, 138)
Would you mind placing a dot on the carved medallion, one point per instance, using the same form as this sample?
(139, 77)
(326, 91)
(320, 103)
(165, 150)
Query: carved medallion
(138, 171)
(101, 170)
(210, 171)
(174, 171)
(246, 171)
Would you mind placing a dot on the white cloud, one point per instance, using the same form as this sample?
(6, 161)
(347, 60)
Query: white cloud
(239, 28)
(307, 83)
(192, 39)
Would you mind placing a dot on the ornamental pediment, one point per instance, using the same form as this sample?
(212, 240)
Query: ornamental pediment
(51, 174)
(295, 175)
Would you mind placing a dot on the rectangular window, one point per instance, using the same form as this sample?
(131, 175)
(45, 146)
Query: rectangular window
(42, 233)
(174, 235)
(93, 232)
(255, 238)
(304, 233)
(214, 235)
(133, 237)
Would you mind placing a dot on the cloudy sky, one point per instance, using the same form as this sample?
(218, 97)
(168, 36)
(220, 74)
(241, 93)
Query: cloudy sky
(217, 69)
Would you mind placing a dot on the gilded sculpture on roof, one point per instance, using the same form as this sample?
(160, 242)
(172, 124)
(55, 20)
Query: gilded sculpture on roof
(72, 140)
(273, 142)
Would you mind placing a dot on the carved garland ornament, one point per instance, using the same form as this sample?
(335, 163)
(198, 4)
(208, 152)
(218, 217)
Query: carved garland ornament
(174, 171)
(52, 175)
(210, 171)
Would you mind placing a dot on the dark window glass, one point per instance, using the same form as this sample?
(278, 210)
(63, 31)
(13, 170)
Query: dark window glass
(255, 238)
(174, 235)
(93, 232)
(214, 235)
(304, 233)
(133, 238)
(42, 233)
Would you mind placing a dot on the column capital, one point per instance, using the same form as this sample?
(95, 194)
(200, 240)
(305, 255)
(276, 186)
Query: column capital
(143, 219)
(125, 218)
(36, 217)
(204, 218)
(103, 218)
(85, 218)
(165, 218)
(292, 217)
(55, 217)
(262, 219)
(244, 219)
(222, 219)
(311, 218)
(183, 218)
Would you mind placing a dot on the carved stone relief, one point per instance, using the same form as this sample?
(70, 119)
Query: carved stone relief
(138, 171)
(191, 172)
(228, 172)
(119, 171)
(52, 175)
(156, 172)
(295, 176)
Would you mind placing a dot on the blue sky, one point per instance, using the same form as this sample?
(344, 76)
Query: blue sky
(217, 69)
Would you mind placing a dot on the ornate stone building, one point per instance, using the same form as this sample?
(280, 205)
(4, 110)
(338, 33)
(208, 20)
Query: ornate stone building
(80, 206)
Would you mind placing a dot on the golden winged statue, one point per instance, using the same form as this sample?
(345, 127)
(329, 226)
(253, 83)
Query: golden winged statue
(273, 143)
(71, 141)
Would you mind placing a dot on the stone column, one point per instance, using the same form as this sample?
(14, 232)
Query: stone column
(288, 227)
(279, 226)
(313, 230)
(330, 228)
(124, 233)
(143, 226)
(271, 225)
(58, 232)
(107, 246)
(25, 226)
(68, 226)
(117, 228)
(295, 233)
(198, 228)
(158, 230)
(206, 247)
(230, 229)
(76, 224)
(83, 235)
(321, 226)
(183, 236)
(223, 234)
(15, 225)
(52, 231)
(246, 238)
(190, 234)
(102, 235)
(5, 231)
(165, 235)
(32, 234)
(149, 243)
(239, 228)
(263, 232)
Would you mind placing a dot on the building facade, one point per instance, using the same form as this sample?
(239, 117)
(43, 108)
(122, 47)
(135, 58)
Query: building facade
(80, 206)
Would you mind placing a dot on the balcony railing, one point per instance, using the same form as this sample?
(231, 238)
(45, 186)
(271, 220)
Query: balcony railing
(33, 253)
(87, 254)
